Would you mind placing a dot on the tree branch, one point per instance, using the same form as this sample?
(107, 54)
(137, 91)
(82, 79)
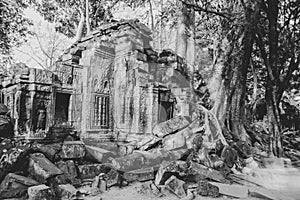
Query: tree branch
(41, 47)
(28, 54)
(294, 64)
(263, 53)
(200, 9)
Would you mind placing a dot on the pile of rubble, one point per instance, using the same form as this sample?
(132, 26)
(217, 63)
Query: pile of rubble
(177, 159)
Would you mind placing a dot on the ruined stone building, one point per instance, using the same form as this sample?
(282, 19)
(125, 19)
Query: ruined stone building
(109, 82)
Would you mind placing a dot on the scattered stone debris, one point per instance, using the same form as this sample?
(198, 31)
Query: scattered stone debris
(70, 169)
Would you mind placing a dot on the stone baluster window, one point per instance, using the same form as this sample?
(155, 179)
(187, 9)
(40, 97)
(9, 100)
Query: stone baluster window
(100, 112)
(101, 106)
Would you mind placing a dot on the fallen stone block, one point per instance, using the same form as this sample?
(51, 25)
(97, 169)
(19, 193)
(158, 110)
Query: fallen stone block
(233, 190)
(69, 172)
(268, 194)
(206, 189)
(92, 170)
(112, 178)
(172, 125)
(198, 169)
(144, 174)
(67, 191)
(15, 185)
(148, 142)
(100, 154)
(126, 149)
(51, 151)
(176, 186)
(149, 188)
(177, 140)
(40, 192)
(167, 169)
(146, 159)
(40, 168)
(72, 149)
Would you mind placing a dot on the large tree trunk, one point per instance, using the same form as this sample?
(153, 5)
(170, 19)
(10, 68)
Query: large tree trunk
(151, 15)
(87, 16)
(237, 61)
(185, 43)
(275, 147)
(80, 26)
(272, 88)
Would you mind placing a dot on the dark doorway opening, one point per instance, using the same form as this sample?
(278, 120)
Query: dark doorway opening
(165, 111)
(62, 107)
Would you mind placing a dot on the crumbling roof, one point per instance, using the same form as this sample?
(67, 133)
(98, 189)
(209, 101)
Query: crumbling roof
(108, 28)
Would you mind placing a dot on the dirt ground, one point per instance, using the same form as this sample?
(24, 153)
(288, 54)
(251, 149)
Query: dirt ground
(132, 192)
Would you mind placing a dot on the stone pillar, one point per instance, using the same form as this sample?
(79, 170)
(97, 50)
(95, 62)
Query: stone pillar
(17, 105)
(86, 63)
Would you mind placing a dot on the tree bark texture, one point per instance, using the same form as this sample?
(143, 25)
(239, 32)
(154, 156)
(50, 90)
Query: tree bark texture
(185, 43)
(237, 61)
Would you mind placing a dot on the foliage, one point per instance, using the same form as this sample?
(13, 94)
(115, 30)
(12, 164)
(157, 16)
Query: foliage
(66, 13)
(13, 28)
(43, 47)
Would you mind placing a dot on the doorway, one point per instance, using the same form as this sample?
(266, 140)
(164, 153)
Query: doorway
(62, 107)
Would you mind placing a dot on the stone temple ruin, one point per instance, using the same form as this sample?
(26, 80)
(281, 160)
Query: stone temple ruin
(111, 81)
(115, 112)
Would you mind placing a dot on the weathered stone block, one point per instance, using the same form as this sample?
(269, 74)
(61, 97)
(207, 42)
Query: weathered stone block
(206, 189)
(90, 171)
(167, 169)
(41, 168)
(66, 191)
(40, 192)
(144, 174)
(73, 149)
(15, 185)
(147, 142)
(177, 140)
(100, 154)
(176, 186)
(112, 178)
(198, 169)
(49, 150)
(234, 190)
(146, 159)
(172, 125)
(70, 172)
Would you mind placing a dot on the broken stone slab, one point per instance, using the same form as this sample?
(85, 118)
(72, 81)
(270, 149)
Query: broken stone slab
(92, 170)
(51, 151)
(172, 125)
(177, 140)
(146, 159)
(40, 192)
(41, 169)
(176, 186)
(144, 174)
(15, 185)
(101, 155)
(233, 190)
(147, 142)
(125, 149)
(72, 149)
(206, 189)
(268, 194)
(67, 191)
(69, 170)
(112, 178)
(167, 169)
(198, 169)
